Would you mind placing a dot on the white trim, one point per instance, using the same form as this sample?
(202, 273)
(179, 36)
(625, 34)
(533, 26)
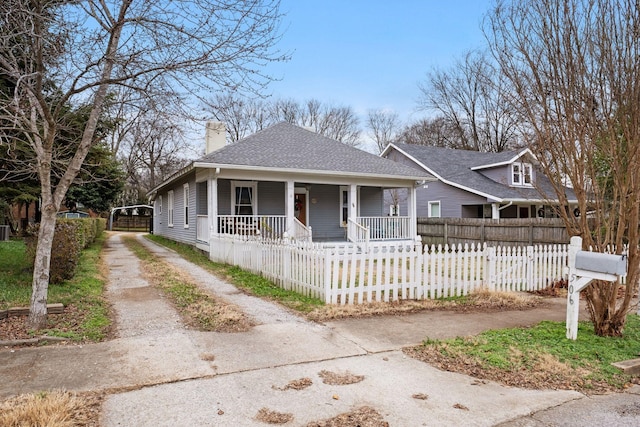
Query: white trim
(170, 206)
(185, 204)
(521, 174)
(311, 172)
(253, 185)
(430, 205)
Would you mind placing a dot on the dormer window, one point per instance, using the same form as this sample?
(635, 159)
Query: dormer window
(522, 174)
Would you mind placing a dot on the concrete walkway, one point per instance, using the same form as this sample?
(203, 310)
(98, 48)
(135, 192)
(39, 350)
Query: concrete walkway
(159, 373)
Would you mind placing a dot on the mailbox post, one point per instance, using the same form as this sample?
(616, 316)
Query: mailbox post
(583, 268)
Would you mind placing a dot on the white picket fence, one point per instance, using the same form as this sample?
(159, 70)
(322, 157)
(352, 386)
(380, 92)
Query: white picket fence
(344, 274)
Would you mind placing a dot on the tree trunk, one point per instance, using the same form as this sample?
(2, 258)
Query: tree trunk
(38, 311)
(608, 320)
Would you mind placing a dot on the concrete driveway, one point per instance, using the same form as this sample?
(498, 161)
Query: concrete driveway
(158, 373)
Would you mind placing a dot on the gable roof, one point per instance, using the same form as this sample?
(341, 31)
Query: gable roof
(461, 169)
(287, 147)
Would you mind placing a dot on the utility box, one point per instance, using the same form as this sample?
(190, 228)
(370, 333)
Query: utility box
(5, 232)
(601, 263)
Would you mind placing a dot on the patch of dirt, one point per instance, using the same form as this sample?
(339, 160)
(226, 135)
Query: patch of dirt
(420, 396)
(364, 416)
(460, 406)
(268, 416)
(345, 378)
(69, 321)
(478, 301)
(299, 384)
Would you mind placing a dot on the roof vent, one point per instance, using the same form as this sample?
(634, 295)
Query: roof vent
(215, 136)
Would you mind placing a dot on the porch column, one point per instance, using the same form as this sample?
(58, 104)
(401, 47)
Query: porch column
(353, 202)
(289, 203)
(412, 210)
(495, 211)
(212, 202)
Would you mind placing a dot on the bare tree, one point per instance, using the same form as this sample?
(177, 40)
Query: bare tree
(383, 127)
(242, 115)
(84, 48)
(245, 116)
(436, 132)
(575, 69)
(338, 122)
(470, 97)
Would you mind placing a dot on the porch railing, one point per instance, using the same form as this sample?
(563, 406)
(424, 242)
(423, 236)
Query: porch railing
(267, 226)
(356, 232)
(387, 227)
(301, 231)
(202, 228)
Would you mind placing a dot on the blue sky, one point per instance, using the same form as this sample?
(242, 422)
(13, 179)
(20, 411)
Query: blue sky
(372, 54)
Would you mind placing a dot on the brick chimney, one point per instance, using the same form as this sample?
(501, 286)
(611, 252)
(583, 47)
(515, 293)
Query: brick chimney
(215, 136)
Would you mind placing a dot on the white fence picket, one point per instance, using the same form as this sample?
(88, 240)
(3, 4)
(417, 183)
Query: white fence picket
(348, 274)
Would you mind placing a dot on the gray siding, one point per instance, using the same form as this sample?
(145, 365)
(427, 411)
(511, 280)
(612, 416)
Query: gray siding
(224, 197)
(451, 199)
(324, 215)
(178, 232)
(271, 197)
(202, 207)
(371, 201)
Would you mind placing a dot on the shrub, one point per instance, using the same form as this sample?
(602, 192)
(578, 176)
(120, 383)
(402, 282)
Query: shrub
(70, 237)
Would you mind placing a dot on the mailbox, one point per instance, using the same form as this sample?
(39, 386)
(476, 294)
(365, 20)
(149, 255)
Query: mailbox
(601, 263)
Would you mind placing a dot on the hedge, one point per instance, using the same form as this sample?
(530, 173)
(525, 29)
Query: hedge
(71, 236)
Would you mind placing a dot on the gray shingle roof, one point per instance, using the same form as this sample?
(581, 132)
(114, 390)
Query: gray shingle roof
(455, 166)
(286, 146)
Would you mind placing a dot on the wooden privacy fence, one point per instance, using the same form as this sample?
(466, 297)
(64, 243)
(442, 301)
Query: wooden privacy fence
(343, 274)
(494, 232)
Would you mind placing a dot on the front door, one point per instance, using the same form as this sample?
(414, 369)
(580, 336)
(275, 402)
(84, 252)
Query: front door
(300, 208)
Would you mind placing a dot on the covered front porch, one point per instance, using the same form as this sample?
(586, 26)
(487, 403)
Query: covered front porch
(296, 210)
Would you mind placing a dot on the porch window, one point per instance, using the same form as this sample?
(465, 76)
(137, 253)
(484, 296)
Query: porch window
(159, 205)
(434, 209)
(522, 174)
(170, 208)
(185, 193)
(344, 206)
(244, 198)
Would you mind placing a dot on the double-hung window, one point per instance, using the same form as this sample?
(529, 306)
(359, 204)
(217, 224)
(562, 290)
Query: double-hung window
(185, 198)
(244, 198)
(344, 206)
(434, 209)
(522, 174)
(170, 208)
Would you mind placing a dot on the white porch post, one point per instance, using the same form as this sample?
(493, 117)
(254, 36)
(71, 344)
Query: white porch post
(412, 210)
(212, 201)
(289, 203)
(353, 201)
(495, 211)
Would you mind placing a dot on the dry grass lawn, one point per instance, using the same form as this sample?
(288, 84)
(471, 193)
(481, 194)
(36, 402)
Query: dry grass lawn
(51, 409)
(480, 300)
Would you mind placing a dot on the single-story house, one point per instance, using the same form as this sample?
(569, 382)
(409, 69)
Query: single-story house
(473, 184)
(285, 182)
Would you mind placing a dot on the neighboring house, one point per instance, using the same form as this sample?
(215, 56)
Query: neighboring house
(472, 184)
(285, 181)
